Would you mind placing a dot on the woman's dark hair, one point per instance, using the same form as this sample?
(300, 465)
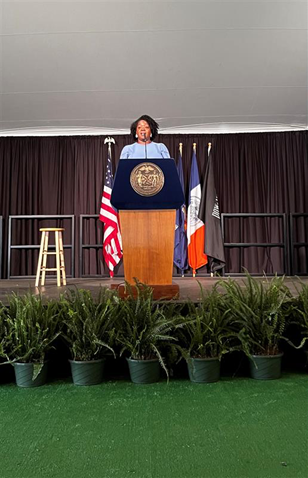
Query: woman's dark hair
(152, 123)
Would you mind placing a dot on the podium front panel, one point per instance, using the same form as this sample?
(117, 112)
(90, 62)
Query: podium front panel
(148, 245)
(125, 197)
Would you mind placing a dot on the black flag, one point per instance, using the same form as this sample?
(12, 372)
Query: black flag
(210, 215)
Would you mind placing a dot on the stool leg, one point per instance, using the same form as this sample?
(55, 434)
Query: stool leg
(58, 259)
(45, 250)
(39, 263)
(62, 263)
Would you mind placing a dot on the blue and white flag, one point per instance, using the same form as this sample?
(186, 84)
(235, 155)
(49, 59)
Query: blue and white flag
(195, 227)
(180, 236)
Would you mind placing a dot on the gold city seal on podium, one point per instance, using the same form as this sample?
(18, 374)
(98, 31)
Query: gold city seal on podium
(147, 179)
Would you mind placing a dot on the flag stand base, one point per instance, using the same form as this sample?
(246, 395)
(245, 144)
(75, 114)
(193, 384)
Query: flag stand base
(168, 292)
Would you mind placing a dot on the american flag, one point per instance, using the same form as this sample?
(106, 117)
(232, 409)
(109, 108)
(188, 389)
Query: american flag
(112, 242)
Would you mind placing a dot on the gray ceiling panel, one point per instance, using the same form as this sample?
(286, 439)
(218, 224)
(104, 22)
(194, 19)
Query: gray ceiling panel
(194, 59)
(223, 2)
(37, 17)
(183, 104)
(1, 64)
(280, 101)
(94, 63)
(72, 62)
(227, 124)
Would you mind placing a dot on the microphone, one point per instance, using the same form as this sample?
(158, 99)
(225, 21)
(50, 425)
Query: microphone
(145, 145)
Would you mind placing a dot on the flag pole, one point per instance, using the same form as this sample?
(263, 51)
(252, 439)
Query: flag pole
(195, 151)
(209, 147)
(181, 153)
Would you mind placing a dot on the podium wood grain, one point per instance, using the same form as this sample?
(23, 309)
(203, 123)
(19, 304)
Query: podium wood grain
(148, 244)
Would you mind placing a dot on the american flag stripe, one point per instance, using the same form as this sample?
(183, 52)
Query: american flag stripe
(118, 241)
(110, 259)
(107, 191)
(106, 201)
(113, 244)
(107, 216)
(106, 198)
(108, 230)
(107, 206)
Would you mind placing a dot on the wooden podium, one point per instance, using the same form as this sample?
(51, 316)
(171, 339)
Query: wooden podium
(147, 228)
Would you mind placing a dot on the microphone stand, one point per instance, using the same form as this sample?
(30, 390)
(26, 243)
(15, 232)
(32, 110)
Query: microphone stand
(145, 146)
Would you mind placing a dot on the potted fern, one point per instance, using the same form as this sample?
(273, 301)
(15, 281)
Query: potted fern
(146, 328)
(298, 313)
(2, 331)
(257, 309)
(89, 331)
(30, 327)
(205, 336)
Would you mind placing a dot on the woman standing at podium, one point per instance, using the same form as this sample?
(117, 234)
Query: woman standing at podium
(144, 130)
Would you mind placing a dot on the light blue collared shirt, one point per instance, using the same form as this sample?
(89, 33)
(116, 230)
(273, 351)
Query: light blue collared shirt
(137, 151)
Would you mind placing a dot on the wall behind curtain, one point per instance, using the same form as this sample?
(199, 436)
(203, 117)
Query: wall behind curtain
(257, 172)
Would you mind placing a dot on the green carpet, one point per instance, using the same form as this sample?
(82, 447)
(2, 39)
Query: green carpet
(237, 428)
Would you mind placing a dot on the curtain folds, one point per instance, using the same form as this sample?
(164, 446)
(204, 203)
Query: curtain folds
(254, 173)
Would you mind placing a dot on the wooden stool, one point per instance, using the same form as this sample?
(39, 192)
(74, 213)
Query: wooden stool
(42, 261)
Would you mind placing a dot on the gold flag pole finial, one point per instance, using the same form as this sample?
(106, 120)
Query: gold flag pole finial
(195, 147)
(181, 148)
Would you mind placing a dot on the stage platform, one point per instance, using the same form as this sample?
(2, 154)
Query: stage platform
(189, 287)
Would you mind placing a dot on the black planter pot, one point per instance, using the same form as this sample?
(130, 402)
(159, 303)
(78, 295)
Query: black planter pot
(265, 367)
(144, 371)
(24, 375)
(305, 351)
(203, 370)
(87, 372)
